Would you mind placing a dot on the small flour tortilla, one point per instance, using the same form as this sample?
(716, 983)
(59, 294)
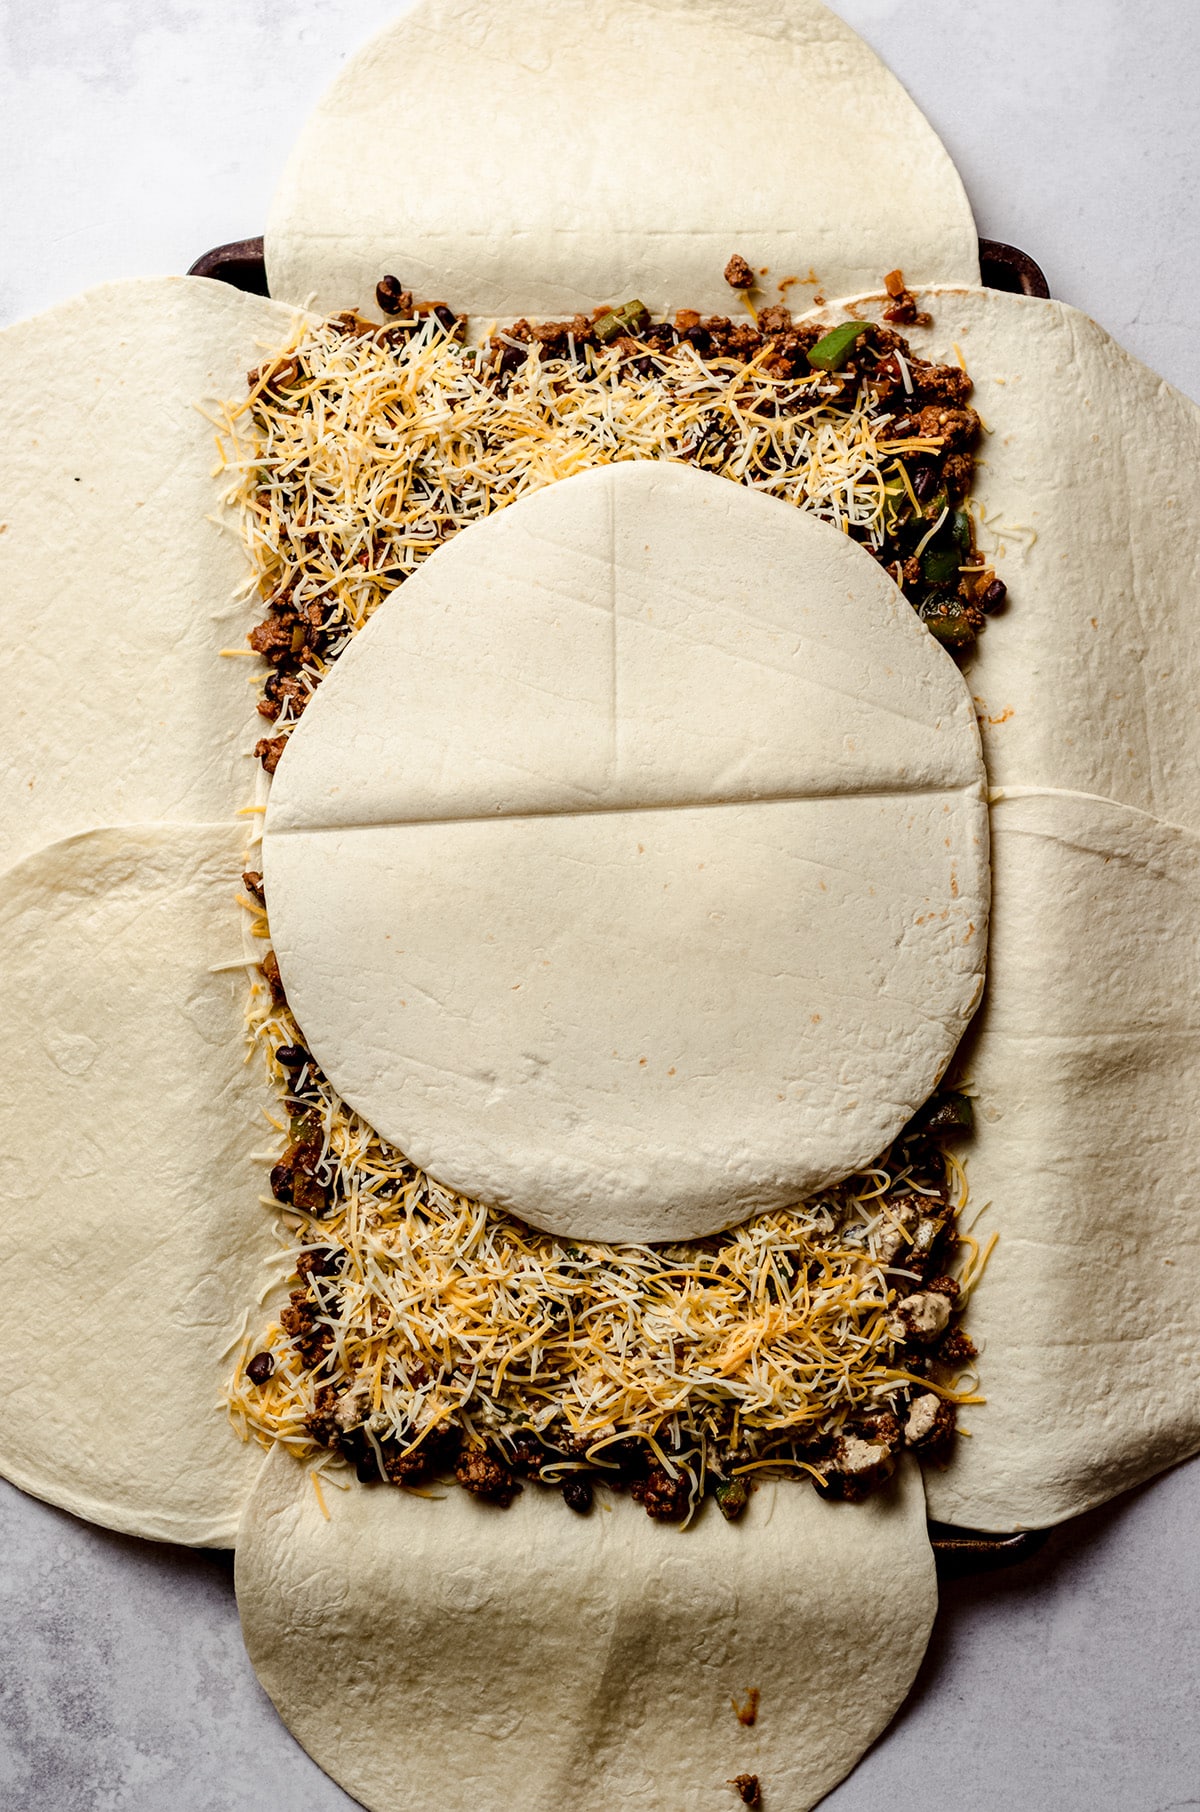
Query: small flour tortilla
(524, 1660)
(115, 584)
(630, 869)
(134, 1240)
(540, 160)
(1086, 1056)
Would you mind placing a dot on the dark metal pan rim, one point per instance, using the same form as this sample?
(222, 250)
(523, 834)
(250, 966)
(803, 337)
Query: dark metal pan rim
(241, 264)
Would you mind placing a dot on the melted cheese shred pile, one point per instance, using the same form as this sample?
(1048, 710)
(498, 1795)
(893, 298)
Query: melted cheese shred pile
(438, 1310)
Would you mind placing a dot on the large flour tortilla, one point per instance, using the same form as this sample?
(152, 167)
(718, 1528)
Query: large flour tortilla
(1086, 1057)
(115, 585)
(630, 869)
(518, 159)
(133, 1239)
(446, 1653)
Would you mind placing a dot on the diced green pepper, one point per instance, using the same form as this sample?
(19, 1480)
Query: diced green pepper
(939, 564)
(832, 352)
(896, 504)
(960, 531)
(950, 1112)
(943, 615)
(946, 1112)
(632, 318)
(732, 1496)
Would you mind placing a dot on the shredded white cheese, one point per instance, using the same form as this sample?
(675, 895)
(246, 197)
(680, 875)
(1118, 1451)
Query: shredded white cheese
(346, 479)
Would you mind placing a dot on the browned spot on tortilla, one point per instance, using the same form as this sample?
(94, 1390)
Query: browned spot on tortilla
(747, 1714)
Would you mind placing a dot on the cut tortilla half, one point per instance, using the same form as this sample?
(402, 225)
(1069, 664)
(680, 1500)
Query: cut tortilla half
(532, 1659)
(116, 585)
(629, 871)
(134, 1238)
(540, 161)
(1084, 1057)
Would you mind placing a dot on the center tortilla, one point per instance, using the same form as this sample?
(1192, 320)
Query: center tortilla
(630, 871)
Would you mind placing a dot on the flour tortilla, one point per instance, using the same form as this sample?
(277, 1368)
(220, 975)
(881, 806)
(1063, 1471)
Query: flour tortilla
(134, 1239)
(630, 869)
(1087, 1069)
(447, 1652)
(539, 160)
(1085, 1056)
(115, 585)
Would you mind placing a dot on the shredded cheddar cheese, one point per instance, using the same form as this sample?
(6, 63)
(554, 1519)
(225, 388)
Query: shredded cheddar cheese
(430, 1310)
(355, 471)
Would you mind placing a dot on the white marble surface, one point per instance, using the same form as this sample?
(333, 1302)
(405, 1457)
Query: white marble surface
(135, 134)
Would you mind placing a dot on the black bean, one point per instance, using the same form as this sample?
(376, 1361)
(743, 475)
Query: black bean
(994, 597)
(925, 481)
(510, 359)
(577, 1492)
(388, 292)
(260, 1368)
(292, 1056)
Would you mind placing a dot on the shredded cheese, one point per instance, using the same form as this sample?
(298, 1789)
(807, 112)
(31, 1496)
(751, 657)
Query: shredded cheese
(435, 1309)
(352, 475)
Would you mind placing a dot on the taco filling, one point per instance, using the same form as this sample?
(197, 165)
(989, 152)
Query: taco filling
(426, 1334)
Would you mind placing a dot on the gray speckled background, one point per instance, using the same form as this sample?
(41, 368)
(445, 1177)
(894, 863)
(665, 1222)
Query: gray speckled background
(133, 135)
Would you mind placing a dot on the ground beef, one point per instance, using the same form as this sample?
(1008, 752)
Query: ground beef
(777, 319)
(738, 273)
(300, 1322)
(268, 750)
(277, 691)
(955, 1348)
(273, 979)
(272, 638)
(297, 1319)
(956, 428)
(322, 1262)
(482, 1474)
(662, 1497)
(320, 1425)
